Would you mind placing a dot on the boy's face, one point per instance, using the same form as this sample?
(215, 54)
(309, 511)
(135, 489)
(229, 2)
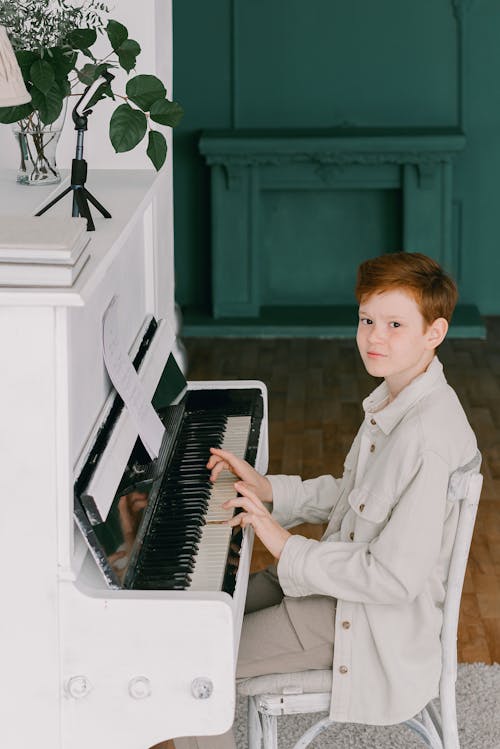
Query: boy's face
(393, 339)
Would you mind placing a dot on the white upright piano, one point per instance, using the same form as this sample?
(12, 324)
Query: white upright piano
(102, 643)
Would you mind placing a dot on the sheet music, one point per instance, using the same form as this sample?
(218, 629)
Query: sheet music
(128, 385)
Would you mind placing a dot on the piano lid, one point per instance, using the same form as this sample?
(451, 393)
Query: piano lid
(116, 441)
(117, 432)
(115, 538)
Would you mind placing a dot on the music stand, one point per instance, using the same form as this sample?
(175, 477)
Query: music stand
(81, 196)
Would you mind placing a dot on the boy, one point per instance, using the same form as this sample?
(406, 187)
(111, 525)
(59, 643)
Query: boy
(368, 596)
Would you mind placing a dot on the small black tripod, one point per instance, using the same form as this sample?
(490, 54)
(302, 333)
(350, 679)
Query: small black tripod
(81, 196)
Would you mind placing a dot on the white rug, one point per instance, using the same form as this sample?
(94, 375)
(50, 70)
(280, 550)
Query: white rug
(478, 708)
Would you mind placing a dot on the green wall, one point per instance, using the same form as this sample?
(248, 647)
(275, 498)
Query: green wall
(326, 63)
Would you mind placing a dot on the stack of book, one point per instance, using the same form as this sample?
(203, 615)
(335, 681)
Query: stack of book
(42, 250)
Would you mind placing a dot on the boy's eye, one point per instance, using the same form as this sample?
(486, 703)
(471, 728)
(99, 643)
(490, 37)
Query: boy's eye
(365, 321)
(395, 324)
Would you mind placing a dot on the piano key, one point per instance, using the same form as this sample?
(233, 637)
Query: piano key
(210, 566)
(187, 501)
(211, 558)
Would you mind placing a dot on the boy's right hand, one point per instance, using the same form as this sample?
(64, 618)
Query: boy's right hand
(222, 459)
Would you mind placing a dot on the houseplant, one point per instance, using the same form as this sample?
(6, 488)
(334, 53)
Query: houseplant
(53, 41)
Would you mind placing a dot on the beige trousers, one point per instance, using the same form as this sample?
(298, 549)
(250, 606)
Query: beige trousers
(279, 634)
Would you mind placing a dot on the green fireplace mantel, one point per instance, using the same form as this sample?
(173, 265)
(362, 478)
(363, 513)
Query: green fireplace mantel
(278, 195)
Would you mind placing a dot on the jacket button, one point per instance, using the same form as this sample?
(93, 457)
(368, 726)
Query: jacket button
(343, 669)
(373, 422)
(361, 508)
(346, 625)
(351, 535)
(372, 448)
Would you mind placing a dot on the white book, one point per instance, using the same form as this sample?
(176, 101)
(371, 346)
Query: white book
(38, 259)
(41, 239)
(43, 274)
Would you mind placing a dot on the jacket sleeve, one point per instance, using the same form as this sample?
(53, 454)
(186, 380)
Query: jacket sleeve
(394, 566)
(296, 501)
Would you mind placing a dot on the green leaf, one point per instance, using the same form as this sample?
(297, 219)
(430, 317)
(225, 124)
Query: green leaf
(127, 53)
(101, 92)
(42, 74)
(166, 112)
(81, 38)
(127, 128)
(89, 54)
(13, 114)
(49, 104)
(117, 33)
(88, 74)
(25, 59)
(63, 61)
(64, 87)
(157, 149)
(143, 90)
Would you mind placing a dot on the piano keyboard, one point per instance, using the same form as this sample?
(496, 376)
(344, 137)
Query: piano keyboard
(211, 558)
(181, 551)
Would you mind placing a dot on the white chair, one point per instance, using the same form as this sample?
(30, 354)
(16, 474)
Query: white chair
(310, 691)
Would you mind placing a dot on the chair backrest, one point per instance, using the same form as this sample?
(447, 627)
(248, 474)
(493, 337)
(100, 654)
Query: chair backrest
(464, 487)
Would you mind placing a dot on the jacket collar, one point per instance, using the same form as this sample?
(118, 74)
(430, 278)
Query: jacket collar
(388, 416)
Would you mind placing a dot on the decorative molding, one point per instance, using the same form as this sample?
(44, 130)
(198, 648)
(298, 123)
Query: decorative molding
(234, 175)
(232, 161)
(239, 148)
(330, 173)
(427, 172)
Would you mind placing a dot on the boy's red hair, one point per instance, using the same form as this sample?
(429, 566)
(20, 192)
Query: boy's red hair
(434, 291)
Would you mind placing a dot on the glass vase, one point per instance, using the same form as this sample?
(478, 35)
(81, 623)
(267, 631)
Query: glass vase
(37, 144)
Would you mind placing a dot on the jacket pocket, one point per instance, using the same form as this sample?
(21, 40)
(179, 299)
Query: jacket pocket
(369, 506)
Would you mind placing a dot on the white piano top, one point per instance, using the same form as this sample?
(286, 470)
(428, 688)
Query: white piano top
(123, 192)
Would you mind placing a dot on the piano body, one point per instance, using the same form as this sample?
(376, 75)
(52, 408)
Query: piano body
(93, 654)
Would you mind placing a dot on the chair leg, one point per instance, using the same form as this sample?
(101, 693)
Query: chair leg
(449, 719)
(435, 716)
(254, 725)
(270, 731)
(431, 740)
(312, 732)
(430, 719)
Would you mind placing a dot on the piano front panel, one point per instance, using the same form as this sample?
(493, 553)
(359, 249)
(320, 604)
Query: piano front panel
(160, 641)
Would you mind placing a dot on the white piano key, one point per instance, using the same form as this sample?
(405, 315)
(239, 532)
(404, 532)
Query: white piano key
(235, 440)
(211, 558)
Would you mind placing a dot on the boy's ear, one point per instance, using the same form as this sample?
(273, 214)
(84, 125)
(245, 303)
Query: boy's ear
(436, 332)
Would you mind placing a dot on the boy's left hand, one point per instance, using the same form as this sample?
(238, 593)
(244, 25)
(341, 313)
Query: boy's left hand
(255, 513)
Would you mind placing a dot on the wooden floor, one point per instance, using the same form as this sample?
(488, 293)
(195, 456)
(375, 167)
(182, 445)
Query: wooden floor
(315, 391)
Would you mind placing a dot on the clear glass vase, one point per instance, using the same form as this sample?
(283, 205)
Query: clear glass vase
(37, 143)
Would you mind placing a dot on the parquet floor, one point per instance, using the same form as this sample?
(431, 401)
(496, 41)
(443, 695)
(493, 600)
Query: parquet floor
(315, 391)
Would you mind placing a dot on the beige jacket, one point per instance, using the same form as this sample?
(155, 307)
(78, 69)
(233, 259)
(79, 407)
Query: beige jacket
(385, 553)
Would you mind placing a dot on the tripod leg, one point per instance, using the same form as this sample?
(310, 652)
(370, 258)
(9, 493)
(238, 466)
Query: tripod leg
(83, 208)
(96, 203)
(53, 202)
